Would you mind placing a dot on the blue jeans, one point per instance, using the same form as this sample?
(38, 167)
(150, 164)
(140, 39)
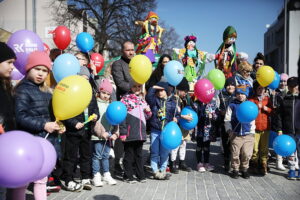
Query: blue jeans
(159, 155)
(100, 158)
(2, 193)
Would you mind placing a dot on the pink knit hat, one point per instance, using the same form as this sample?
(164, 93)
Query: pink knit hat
(38, 58)
(284, 77)
(106, 86)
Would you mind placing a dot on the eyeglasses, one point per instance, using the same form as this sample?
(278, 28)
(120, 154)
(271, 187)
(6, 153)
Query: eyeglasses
(247, 71)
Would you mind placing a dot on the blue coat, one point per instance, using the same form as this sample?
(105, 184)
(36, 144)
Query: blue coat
(155, 104)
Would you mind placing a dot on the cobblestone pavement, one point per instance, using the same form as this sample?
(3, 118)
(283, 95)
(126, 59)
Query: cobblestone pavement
(195, 185)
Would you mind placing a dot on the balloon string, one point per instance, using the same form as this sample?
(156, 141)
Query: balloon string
(176, 102)
(236, 126)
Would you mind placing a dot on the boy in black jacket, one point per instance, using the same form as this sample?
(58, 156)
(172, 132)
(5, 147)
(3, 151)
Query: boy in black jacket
(285, 121)
(78, 137)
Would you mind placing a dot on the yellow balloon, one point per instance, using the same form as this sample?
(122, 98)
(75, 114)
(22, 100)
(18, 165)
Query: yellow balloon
(265, 75)
(140, 68)
(70, 97)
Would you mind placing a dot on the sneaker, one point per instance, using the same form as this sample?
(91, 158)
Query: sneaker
(74, 187)
(235, 174)
(245, 175)
(86, 183)
(184, 167)
(130, 181)
(209, 167)
(291, 175)
(52, 189)
(200, 167)
(108, 179)
(143, 180)
(97, 180)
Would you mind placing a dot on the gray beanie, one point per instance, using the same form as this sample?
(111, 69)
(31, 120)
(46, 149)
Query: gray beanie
(84, 71)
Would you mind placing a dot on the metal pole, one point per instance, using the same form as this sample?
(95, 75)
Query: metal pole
(34, 15)
(285, 70)
(26, 14)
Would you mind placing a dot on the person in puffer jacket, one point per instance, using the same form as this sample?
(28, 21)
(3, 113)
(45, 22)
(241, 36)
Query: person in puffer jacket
(164, 110)
(133, 133)
(241, 135)
(285, 121)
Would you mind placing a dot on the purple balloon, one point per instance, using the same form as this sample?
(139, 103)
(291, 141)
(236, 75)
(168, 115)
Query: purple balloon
(16, 75)
(21, 158)
(23, 42)
(50, 157)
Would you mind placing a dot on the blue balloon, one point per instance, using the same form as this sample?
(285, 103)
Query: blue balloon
(284, 145)
(65, 65)
(174, 72)
(116, 112)
(246, 112)
(275, 84)
(85, 42)
(272, 137)
(171, 136)
(188, 125)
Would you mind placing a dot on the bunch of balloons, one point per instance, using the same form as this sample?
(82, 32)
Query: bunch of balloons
(116, 112)
(171, 136)
(24, 158)
(188, 125)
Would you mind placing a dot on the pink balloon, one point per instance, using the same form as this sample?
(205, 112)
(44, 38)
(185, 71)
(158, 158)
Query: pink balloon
(50, 157)
(204, 90)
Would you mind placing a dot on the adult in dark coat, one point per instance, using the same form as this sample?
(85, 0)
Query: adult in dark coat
(120, 70)
(123, 81)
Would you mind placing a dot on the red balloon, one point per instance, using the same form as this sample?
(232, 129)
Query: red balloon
(98, 61)
(204, 90)
(61, 37)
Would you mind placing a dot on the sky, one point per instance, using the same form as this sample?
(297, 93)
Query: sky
(207, 19)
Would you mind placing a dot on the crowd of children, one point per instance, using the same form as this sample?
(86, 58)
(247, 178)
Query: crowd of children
(89, 144)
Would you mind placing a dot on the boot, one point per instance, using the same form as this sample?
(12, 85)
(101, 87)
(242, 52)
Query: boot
(264, 168)
(254, 168)
(173, 168)
(183, 166)
(279, 164)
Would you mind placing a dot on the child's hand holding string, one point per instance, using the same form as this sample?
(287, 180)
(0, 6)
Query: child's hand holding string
(50, 127)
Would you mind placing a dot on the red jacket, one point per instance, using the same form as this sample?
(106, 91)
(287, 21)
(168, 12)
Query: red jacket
(262, 121)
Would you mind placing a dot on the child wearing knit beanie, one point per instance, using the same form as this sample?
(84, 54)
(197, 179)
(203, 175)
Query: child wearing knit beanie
(32, 103)
(104, 134)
